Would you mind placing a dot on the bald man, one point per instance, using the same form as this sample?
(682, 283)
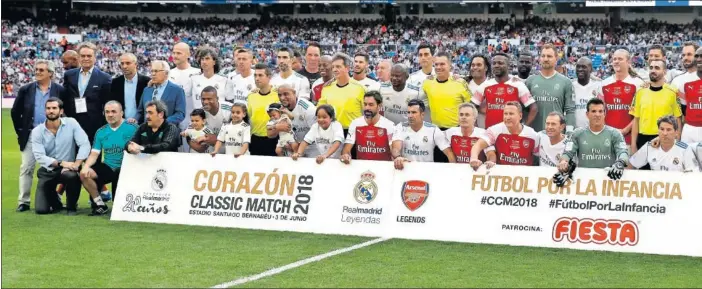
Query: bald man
(180, 75)
(325, 71)
(69, 60)
(128, 87)
(585, 87)
(384, 70)
(397, 93)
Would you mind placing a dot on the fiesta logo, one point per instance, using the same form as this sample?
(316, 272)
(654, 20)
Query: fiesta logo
(599, 231)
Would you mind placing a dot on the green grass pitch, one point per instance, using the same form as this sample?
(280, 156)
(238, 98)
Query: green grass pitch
(81, 251)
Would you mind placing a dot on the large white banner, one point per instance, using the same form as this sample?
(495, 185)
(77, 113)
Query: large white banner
(645, 212)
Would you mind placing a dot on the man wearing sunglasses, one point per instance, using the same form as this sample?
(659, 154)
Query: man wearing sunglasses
(28, 112)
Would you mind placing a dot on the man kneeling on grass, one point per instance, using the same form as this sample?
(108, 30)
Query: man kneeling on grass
(110, 141)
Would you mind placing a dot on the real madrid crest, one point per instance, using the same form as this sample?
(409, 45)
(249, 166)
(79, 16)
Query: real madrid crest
(676, 161)
(216, 86)
(366, 189)
(426, 139)
(248, 87)
(557, 86)
(160, 180)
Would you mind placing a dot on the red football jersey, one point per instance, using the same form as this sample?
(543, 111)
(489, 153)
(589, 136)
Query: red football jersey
(372, 143)
(495, 97)
(317, 92)
(515, 150)
(618, 97)
(461, 147)
(693, 96)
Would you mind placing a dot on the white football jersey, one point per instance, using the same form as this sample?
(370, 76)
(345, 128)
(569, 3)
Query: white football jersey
(199, 82)
(549, 154)
(696, 149)
(297, 81)
(418, 77)
(223, 117)
(234, 136)
(303, 118)
(194, 134)
(240, 87)
(395, 102)
(418, 146)
(680, 158)
(581, 95)
(679, 84)
(383, 122)
(235, 72)
(324, 138)
(182, 77)
(369, 84)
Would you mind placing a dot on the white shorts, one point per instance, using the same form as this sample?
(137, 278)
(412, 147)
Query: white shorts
(691, 134)
(284, 139)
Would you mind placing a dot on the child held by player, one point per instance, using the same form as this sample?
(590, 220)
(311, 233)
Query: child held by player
(197, 130)
(286, 142)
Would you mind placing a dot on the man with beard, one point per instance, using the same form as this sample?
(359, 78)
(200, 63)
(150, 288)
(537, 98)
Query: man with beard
(551, 142)
(54, 144)
(28, 111)
(303, 112)
(109, 141)
(584, 88)
(480, 71)
(370, 134)
(671, 155)
(69, 60)
(492, 95)
(596, 146)
(156, 135)
(360, 71)
(515, 143)
(657, 52)
(617, 92)
(397, 94)
(326, 75)
(652, 103)
(690, 94)
(551, 90)
(288, 76)
(311, 70)
(241, 81)
(526, 62)
(415, 140)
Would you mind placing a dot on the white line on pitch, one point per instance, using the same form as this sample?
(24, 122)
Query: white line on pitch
(278, 270)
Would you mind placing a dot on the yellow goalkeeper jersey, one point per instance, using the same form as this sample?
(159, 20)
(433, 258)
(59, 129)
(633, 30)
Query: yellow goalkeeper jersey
(443, 98)
(347, 100)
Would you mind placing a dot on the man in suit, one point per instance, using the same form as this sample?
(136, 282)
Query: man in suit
(28, 112)
(171, 94)
(128, 87)
(86, 90)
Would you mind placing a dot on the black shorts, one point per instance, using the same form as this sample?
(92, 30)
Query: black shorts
(105, 174)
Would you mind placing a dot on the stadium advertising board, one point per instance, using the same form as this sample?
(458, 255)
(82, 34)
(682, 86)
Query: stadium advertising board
(645, 212)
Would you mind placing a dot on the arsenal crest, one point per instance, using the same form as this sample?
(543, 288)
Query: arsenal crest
(525, 143)
(381, 132)
(627, 89)
(510, 90)
(414, 194)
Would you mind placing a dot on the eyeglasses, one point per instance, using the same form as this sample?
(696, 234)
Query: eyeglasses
(154, 71)
(40, 70)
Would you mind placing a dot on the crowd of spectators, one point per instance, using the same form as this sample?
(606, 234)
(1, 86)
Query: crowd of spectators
(25, 39)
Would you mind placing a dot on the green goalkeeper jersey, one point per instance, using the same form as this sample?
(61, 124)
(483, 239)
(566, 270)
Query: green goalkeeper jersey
(554, 93)
(596, 149)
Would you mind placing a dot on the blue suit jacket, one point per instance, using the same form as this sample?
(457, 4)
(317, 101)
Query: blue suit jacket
(23, 110)
(96, 94)
(174, 98)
